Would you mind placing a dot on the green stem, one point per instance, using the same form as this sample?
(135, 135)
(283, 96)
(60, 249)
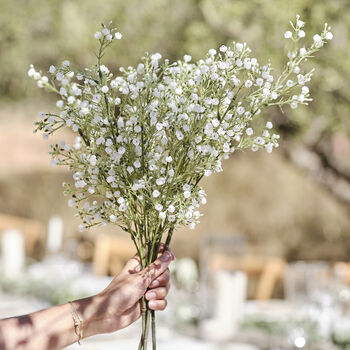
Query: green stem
(143, 311)
(168, 239)
(143, 300)
(153, 314)
(146, 329)
(154, 248)
(152, 257)
(154, 340)
(148, 257)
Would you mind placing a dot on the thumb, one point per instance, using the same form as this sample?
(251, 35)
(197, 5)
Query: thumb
(133, 265)
(157, 267)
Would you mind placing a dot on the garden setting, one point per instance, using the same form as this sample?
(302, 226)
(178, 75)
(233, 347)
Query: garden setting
(216, 130)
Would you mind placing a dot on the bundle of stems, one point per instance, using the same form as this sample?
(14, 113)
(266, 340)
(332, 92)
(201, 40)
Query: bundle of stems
(148, 254)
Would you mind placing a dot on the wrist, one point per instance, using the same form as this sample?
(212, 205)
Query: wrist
(93, 314)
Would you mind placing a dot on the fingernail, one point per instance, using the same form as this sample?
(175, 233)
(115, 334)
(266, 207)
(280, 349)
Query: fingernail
(151, 295)
(155, 284)
(152, 303)
(166, 256)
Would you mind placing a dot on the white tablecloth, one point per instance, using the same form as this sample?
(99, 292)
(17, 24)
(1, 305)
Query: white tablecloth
(128, 339)
(173, 343)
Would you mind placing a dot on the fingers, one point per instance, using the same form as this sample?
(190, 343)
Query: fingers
(157, 268)
(161, 248)
(157, 305)
(162, 280)
(157, 293)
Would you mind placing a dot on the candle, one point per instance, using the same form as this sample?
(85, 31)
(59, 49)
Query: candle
(13, 253)
(230, 288)
(54, 235)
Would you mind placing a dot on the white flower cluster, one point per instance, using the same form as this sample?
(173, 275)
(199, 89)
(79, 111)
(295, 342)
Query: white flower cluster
(146, 137)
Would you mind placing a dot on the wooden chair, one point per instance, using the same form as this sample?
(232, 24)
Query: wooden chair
(111, 253)
(32, 230)
(342, 271)
(266, 271)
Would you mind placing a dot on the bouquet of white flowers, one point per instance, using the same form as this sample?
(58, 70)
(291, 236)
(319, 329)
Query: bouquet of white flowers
(146, 137)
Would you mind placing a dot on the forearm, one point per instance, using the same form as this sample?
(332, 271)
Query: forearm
(51, 328)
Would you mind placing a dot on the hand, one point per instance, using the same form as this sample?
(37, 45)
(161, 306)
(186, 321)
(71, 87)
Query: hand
(119, 304)
(114, 308)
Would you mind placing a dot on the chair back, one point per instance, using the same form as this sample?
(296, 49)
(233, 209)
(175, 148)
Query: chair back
(265, 271)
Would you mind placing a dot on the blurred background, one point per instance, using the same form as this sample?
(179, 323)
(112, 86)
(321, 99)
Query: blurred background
(276, 227)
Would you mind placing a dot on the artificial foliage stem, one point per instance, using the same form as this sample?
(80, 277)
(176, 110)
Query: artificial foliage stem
(153, 314)
(154, 339)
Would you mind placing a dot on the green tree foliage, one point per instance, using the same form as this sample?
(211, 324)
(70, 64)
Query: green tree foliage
(45, 32)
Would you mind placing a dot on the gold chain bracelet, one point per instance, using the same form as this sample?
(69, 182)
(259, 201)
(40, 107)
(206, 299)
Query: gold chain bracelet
(78, 323)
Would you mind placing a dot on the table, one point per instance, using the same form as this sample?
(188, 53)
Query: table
(167, 339)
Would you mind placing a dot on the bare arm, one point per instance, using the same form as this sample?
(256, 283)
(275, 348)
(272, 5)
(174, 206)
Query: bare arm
(114, 308)
(52, 328)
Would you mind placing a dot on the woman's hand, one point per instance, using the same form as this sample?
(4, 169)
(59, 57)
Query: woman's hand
(119, 304)
(114, 308)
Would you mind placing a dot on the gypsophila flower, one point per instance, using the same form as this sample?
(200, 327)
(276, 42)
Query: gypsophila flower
(249, 131)
(104, 89)
(248, 83)
(288, 34)
(317, 38)
(302, 51)
(329, 36)
(187, 194)
(305, 90)
(269, 125)
(187, 58)
(105, 31)
(155, 193)
(98, 35)
(118, 35)
(300, 23)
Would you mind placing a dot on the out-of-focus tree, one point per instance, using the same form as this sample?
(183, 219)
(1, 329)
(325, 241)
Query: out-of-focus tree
(46, 32)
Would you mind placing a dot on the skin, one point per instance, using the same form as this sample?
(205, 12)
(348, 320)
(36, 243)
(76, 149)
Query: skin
(114, 308)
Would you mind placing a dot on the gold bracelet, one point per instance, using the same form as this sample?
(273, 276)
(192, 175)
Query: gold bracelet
(78, 323)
